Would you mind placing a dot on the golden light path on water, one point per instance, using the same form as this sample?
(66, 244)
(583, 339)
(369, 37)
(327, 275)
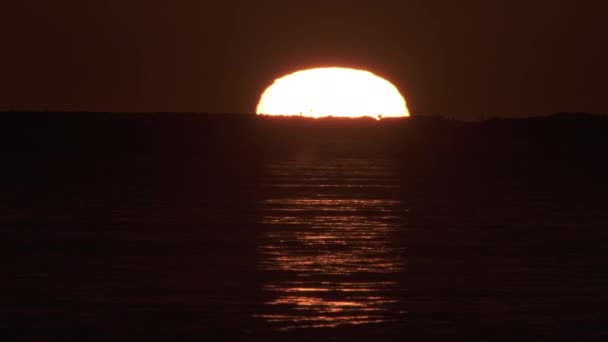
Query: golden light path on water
(328, 245)
(339, 92)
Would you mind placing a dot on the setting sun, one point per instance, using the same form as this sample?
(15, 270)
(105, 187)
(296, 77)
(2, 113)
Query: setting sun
(336, 92)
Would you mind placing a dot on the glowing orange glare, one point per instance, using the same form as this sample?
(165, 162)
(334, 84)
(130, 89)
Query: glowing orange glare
(336, 92)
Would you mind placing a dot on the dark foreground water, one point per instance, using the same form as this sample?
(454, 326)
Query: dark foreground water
(302, 247)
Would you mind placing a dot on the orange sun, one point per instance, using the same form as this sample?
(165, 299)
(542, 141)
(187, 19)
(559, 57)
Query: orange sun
(336, 92)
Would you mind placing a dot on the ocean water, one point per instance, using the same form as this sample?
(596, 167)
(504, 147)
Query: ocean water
(328, 244)
(301, 248)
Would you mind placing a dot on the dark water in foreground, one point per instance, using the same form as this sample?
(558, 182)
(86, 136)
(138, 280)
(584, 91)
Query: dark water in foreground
(281, 241)
(329, 244)
(311, 248)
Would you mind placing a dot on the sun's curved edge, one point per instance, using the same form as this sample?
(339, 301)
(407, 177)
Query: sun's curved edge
(286, 92)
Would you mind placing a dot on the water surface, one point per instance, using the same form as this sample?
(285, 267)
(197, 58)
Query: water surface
(352, 248)
(328, 244)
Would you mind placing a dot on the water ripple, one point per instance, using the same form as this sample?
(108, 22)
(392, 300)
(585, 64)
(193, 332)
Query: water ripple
(330, 248)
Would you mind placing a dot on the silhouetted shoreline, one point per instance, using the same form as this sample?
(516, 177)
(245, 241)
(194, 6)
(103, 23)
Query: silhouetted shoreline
(561, 145)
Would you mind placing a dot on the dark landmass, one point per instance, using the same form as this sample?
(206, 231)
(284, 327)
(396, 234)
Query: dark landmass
(563, 148)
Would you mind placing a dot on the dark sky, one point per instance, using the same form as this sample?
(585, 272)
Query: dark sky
(457, 58)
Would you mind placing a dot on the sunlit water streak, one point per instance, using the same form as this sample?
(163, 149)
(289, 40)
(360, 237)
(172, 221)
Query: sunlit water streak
(329, 248)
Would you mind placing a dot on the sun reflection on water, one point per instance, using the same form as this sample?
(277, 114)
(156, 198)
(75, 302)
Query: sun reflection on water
(328, 246)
